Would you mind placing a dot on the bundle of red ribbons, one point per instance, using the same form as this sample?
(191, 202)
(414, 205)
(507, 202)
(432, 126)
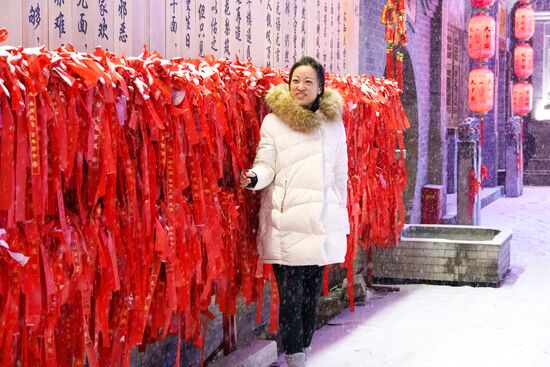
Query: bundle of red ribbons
(120, 201)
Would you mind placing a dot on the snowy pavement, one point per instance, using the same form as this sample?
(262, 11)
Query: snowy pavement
(441, 326)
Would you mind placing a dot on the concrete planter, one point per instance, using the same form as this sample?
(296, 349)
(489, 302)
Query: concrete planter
(445, 254)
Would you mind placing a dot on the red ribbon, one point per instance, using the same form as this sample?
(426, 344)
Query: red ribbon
(3, 34)
(128, 201)
(474, 185)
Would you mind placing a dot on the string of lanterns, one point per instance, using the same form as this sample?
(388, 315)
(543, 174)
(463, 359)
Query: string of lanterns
(524, 29)
(481, 80)
(481, 47)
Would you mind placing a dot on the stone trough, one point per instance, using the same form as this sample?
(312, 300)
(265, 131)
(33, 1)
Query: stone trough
(444, 254)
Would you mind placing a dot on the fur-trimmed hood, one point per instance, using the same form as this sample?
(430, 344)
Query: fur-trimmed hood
(301, 119)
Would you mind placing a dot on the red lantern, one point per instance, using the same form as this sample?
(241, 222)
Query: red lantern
(480, 3)
(525, 1)
(481, 83)
(522, 100)
(481, 37)
(523, 61)
(524, 24)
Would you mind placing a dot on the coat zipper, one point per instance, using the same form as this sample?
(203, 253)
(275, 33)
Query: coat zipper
(283, 201)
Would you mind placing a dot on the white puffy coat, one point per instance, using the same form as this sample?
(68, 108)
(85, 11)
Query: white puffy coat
(302, 162)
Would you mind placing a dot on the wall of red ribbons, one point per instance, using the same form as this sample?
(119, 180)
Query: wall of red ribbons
(119, 196)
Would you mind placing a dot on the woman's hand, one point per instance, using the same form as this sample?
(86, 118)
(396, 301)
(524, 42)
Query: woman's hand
(245, 178)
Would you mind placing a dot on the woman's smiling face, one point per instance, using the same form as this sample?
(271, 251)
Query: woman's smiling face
(304, 85)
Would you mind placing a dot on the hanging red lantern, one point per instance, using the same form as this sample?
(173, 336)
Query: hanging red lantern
(524, 23)
(525, 1)
(523, 61)
(522, 99)
(481, 83)
(481, 37)
(480, 3)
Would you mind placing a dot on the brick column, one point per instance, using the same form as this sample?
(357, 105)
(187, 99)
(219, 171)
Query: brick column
(452, 140)
(468, 159)
(514, 157)
(437, 148)
(489, 150)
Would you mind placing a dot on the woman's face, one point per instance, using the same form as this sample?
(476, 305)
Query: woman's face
(304, 85)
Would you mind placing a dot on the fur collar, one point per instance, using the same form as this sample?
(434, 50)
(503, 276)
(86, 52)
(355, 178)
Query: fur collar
(301, 119)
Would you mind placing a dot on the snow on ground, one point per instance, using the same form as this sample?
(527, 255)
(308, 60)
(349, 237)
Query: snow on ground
(441, 326)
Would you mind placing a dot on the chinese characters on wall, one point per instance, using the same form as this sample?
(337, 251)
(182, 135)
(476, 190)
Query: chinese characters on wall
(214, 28)
(269, 32)
(104, 23)
(179, 20)
(59, 22)
(123, 26)
(34, 22)
(83, 34)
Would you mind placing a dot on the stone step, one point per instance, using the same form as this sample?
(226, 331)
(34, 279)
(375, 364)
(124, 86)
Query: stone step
(536, 178)
(259, 353)
(490, 194)
(539, 164)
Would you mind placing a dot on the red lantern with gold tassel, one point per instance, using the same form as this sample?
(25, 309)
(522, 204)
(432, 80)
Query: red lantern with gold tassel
(522, 99)
(523, 61)
(524, 23)
(482, 3)
(481, 83)
(481, 37)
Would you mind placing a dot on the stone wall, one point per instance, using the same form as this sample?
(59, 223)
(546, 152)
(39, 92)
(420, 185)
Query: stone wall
(372, 42)
(372, 61)
(455, 254)
(420, 48)
(164, 353)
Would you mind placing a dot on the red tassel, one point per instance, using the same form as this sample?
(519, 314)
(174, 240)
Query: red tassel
(474, 185)
(482, 130)
(259, 302)
(325, 280)
(351, 290)
(274, 309)
(203, 346)
(389, 63)
(484, 173)
(178, 350)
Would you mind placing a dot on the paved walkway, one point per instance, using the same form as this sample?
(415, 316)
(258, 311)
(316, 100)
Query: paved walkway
(440, 326)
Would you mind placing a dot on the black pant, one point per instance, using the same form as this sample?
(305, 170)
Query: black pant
(299, 291)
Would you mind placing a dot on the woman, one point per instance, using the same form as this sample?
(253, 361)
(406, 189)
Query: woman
(302, 163)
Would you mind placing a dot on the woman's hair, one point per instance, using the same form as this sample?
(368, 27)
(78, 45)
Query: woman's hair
(319, 69)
